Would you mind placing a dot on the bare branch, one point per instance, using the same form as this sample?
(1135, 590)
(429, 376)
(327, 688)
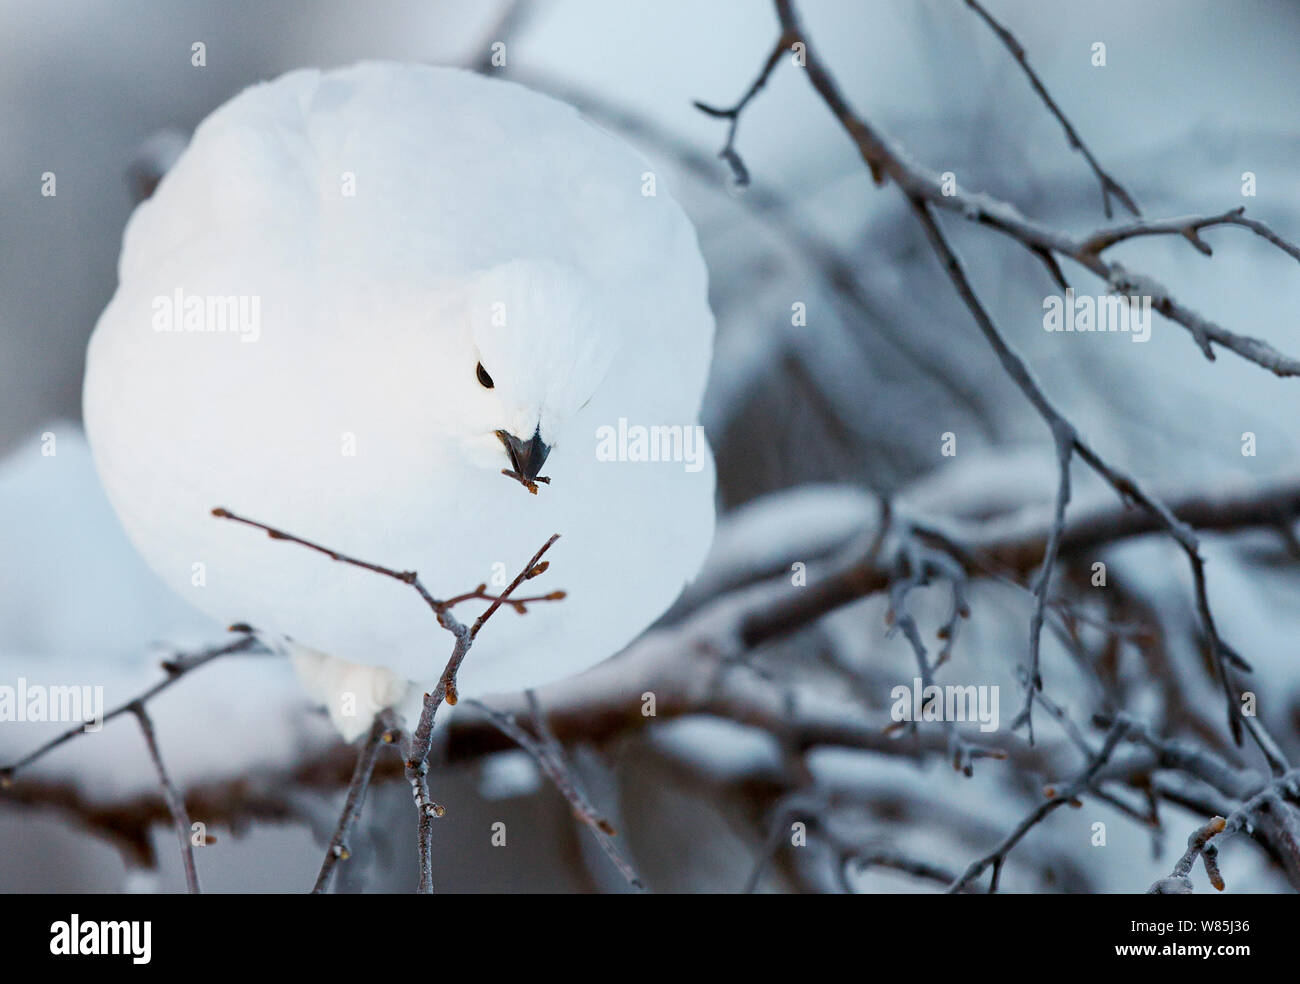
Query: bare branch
(421, 739)
(417, 757)
(1109, 186)
(406, 577)
(177, 667)
(1063, 438)
(548, 753)
(728, 153)
(921, 192)
(912, 567)
(175, 802)
(1277, 761)
(382, 732)
(886, 161)
(1057, 799)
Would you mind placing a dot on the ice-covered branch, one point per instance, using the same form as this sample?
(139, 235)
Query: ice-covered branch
(731, 114)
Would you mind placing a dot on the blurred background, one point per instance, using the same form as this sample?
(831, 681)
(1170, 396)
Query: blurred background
(811, 425)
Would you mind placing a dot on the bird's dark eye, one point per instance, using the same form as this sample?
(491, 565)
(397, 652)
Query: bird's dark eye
(484, 378)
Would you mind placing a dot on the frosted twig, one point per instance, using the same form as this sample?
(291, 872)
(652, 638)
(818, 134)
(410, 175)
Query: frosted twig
(885, 161)
(924, 194)
(406, 577)
(1063, 438)
(1198, 846)
(912, 567)
(1273, 755)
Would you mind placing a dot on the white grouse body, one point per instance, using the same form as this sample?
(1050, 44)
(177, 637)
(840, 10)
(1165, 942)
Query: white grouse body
(394, 238)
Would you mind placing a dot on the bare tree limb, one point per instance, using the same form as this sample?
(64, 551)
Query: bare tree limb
(406, 577)
(421, 743)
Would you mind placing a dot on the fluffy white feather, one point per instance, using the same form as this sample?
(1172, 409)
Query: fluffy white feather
(489, 225)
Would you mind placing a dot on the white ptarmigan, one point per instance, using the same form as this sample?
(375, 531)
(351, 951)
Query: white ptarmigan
(356, 299)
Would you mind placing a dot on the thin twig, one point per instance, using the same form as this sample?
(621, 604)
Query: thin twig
(740, 173)
(1273, 755)
(887, 162)
(548, 753)
(1109, 186)
(997, 857)
(1063, 437)
(176, 668)
(912, 568)
(421, 739)
(1198, 846)
(175, 802)
(382, 732)
(438, 606)
(923, 195)
(417, 758)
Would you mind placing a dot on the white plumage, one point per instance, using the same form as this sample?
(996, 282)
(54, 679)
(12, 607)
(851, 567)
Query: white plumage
(390, 228)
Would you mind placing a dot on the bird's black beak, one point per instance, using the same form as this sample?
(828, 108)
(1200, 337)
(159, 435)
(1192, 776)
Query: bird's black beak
(526, 458)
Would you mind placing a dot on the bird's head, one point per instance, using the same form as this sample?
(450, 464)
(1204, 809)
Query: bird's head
(532, 353)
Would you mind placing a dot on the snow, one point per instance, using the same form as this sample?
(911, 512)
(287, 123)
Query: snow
(80, 608)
